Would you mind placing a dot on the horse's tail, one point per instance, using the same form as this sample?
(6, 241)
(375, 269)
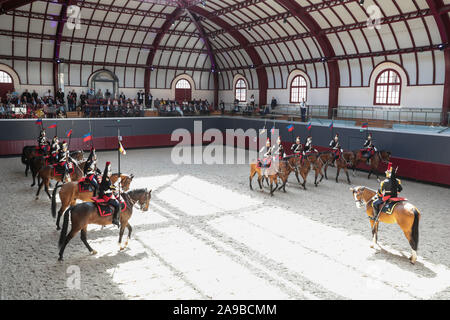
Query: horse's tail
(54, 199)
(62, 237)
(24, 158)
(415, 230)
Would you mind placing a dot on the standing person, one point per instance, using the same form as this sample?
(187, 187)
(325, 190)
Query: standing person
(274, 103)
(303, 109)
(106, 193)
(149, 101)
(252, 100)
(140, 97)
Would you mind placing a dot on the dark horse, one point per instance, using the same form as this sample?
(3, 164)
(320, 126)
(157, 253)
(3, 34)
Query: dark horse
(28, 153)
(375, 160)
(70, 193)
(87, 213)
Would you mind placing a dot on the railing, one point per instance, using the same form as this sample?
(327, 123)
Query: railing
(398, 115)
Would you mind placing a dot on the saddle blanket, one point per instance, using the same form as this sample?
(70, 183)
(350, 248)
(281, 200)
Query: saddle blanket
(105, 209)
(85, 186)
(389, 206)
(265, 163)
(58, 170)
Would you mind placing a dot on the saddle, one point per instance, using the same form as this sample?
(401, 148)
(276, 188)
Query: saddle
(390, 204)
(58, 169)
(105, 209)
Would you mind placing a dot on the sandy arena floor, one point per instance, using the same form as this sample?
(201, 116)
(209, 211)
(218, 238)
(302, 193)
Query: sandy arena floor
(207, 236)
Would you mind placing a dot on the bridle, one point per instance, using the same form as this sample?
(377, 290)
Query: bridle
(361, 201)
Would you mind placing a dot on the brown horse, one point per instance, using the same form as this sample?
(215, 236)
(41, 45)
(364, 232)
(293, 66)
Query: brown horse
(87, 213)
(374, 162)
(302, 166)
(343, 162)
(69, 194)
(406, 215)
(47, 173)
(37, 163)
(320, 161)
(271, 173)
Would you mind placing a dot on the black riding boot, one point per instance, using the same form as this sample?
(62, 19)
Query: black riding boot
(116, 220)
(376, 212)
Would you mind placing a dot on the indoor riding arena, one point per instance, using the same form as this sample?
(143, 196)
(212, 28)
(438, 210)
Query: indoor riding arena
(224, 150)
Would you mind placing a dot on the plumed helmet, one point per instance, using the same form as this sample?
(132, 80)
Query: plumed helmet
(389, 170)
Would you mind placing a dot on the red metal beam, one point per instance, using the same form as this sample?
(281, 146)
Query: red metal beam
(200, 29)
(156, 42)
(13, 4)
(443, 23)
(327, 49)
(253, 54)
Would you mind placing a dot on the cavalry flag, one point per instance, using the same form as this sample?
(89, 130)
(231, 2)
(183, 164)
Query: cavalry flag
(309, 126)
(39, 121)
(290, 128)
(273, 130)
(69, 133)
(87, 137)
(121, 149)
(331, 125)
(52, 126)
(263, 131)
(365, 125)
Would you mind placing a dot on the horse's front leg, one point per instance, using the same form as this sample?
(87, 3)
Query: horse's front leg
(374, 228)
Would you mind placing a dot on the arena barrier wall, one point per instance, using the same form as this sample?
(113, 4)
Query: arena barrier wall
(419, 156)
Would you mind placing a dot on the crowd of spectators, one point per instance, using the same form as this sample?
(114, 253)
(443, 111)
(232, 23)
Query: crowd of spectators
(103, 104)
(186, 108)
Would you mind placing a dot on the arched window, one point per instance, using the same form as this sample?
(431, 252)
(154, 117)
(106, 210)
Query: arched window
(5, 78)
(241, 90)
(183, 84)
(387, 88)
(183, 91)
(298, 89)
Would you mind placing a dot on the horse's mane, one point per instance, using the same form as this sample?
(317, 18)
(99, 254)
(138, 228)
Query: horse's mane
(137, 191)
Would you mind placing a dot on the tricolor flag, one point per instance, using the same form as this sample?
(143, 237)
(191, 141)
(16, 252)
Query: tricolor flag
(39, 121)
(52, 126)
(273, 130)
(331, 125)
(309, 126)
(290, 128)
(365, 125)
(87, 137)
(69, 133)
(121, 149)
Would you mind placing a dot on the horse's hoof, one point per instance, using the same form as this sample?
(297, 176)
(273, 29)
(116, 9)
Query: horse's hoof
(58, 228)
(60, 259)
(37, 198)
(93, 253)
